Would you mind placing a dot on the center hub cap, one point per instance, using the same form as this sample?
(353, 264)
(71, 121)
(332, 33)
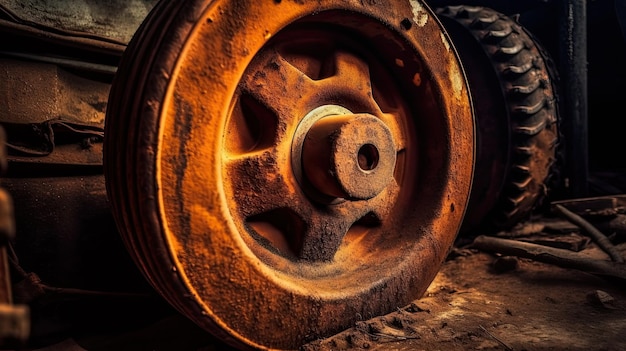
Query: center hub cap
(350, 156)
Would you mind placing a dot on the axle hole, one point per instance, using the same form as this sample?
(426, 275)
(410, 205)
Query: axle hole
(368, 157)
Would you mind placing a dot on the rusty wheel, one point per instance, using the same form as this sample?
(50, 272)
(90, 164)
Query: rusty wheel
(512, 84)
(279, 170)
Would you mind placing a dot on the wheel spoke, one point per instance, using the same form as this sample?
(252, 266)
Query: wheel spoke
(262, 184)
(382, 205)
(352, 73)
(279, 85)
(326, 230)
(391, 120)
(321, 234)
(324, 235)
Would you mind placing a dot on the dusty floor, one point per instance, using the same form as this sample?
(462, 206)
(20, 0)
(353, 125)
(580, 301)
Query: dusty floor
(470, 307)
(475, 303)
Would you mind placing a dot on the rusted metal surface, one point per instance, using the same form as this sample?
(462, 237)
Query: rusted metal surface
(198, 158)
(14, 319)
(349, 156)
(52, 116)
(70, 270)
(34, 92)
(7, 229)
(14, 325)
(55, 85)
(115, 21)
(7, 232)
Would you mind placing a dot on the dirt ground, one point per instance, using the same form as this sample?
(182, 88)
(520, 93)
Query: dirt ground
(469, 306)
(478, 301)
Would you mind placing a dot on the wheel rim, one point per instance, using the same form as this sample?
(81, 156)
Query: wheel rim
(273, 173)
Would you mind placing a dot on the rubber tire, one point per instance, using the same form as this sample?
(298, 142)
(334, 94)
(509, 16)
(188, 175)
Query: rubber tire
(513, 86)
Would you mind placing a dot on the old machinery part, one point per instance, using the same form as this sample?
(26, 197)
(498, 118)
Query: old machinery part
(103, 26)
(31, 41)
(279, 169)
(53, 118)
(54, 87)
(14, 319)
(512, 84)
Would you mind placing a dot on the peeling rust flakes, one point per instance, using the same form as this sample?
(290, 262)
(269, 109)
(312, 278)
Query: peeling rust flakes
(445, 41)
(420, 16)
(457, 81)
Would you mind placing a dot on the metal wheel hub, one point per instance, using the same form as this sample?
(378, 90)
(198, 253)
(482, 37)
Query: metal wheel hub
(345, 156)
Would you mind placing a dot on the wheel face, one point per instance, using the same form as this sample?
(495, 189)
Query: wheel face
(512, 87)
(276, 181)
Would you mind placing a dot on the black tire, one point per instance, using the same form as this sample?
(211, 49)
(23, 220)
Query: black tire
(513, 87)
